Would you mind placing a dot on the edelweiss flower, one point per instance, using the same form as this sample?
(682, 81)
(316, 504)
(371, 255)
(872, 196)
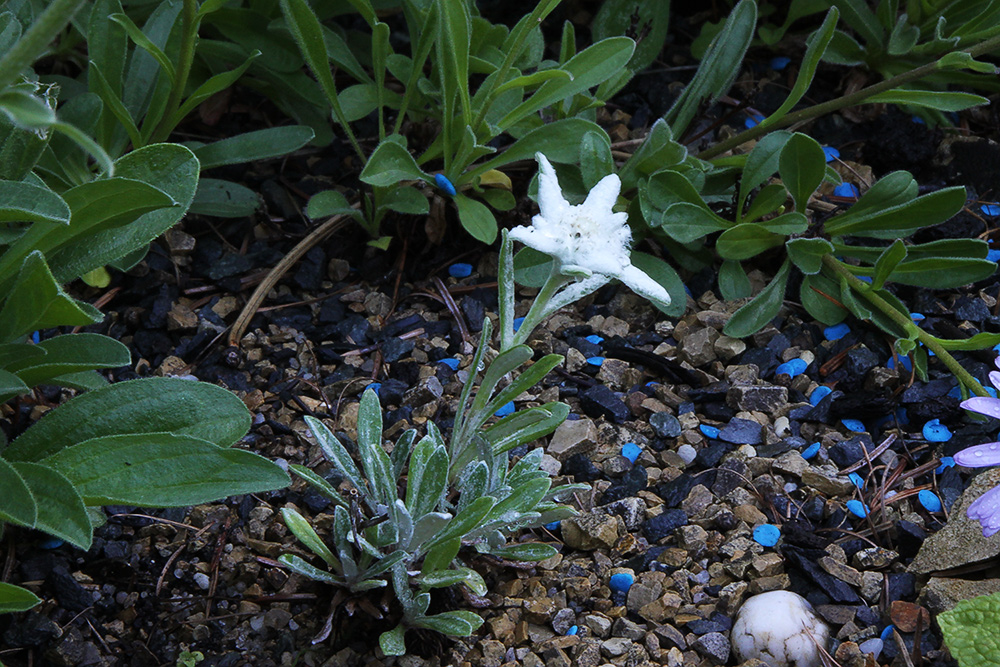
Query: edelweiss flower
(589, 242)
(986, 508)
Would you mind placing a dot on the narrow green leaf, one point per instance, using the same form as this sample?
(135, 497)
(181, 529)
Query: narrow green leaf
(14, 599)
(300, 566)
(147, 45)
(942, 272)
(558, 141)
(318, 483)
(526, 426)
(463, 522)
(887, 263)
(816, 43)
(374, 459)
(455, 623)
(981, 341)
(337, 454)
(305, 533)
(929, 99)
(213, 85)
(525, 551)
(764, 307)
(902, 219)
(253, 146)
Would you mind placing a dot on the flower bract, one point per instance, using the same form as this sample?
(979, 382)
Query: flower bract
(589, 241)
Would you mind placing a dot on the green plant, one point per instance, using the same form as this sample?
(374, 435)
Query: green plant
(459, 47)
(969, 630)
(463, 491)
(149, 442)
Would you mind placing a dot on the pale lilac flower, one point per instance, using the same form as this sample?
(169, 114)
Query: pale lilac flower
(589, 242)
(986, 508)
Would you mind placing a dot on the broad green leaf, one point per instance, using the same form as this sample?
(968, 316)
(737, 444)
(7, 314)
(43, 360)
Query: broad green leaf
(595, 158)
(649, 18)
(887, 263)
(762, 162)
(390, 163)
(151, 405)
(305, 534)
(769, 199)
(664, 274)
(24, 202)
(253, 146)
(522, 499)
(929, 99)
(374, 459)
(476, 218)
(786, 223)
(559, 141)
(587, 69)
(427, 479)
(162, 470)
(329, 203)
(802, 165)
(942, 272)
(224, 199)
(686, 222)
(71, 353)
(17, 504)
(658, 151)
(718, 68)
(969, 630)
(441, 556)
(902, 219)
(16, 352)
(807, 254)
(531, 267)
(860, 17)
(764, 307)
(38, 302)
(408, 200)
(61, 511)
(14, 599)
(733, 281)
(392, 641)
(11, 386)
(746, 240)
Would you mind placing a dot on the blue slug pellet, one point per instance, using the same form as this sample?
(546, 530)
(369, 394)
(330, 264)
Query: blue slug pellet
(631, 451)
(935, 431)
(857, 508)
(460, 270)
(929, 500)
(446, 186)
(621, 582)
(766, 534)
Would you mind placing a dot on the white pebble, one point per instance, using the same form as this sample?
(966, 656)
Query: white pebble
(781, 629)
(781, 427)
(747, 451)
(202, 580)
(687, 453)
(873, 646)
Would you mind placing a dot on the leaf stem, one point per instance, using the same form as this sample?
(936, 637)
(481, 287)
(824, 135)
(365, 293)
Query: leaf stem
(189, 42)
(33, 42)
(853, 99)
(905, 323)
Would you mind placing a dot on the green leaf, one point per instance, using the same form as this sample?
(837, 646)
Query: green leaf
(649, 18)
(304, 532)
(762, 162)
(528, 378)
(408, 200)
(224, 199)
(374, 459)
(817, 41)
(746, 240)
(807, 254)
(929, 99)
(525, 551)
(392, 641)
(457, 623)
(300, 566)
(525, 426)
(11, 386)
(61, 511)
(718, 68)
(152, 405)
(657, 151)
(17, 504)
(462, 523)
(559, 141)
(590, 67)
(14, 598)
(969, 630)
(664, 274)
(162, 470)
(428, 477)
(26, 110)
(476, 218)
(802, 166)
(390, 163)
(980, 341)
(686, 222)
(329, 203)
(24, 202)
(253, 146)
(318, 483)
(786, 223)
(887, 262)
(38, 302)
(764, 307)
(531, 267)
(147, 45)
(215, 84)
(71, 353)
(595, 158)
(770, 198)
(337, 454)
(942, 272)
(441, 556)
(733, 281)
(899, 220)
(452, 44)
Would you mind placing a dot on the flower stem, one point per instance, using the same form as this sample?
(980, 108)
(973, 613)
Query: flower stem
(855, 98)
(906, 324)
(537, 312)
(189, 42)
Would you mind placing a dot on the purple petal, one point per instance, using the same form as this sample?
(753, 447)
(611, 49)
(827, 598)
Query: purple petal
(984, 405)
(979, 456)
(986, 510)
(995, 378)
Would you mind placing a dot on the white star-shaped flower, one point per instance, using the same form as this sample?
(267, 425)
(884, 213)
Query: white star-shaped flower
(589, 242)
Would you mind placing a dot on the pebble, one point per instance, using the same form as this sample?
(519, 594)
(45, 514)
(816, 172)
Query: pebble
(780, 628)
(620, 582)
(460, 270)
(929, 500)
(665, 424)
(600, 401)
(819, 393)
(664, 524)
(855, 425)
(871, 646)
(935, 431)
(741, 432)
(631, 451)
(791, 368)
(714, 646)
(687, 453)
(857, 508)
(202, 580)
(766, 534)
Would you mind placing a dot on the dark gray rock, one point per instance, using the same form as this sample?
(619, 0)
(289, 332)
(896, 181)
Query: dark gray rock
(664, 524)
(848, 452)
(599, 401)
(741, 432)
(860, 360)
(714, 646)
(665, 425)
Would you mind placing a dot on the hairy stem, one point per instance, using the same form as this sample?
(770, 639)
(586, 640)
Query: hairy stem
(34, 41)
(854, 99)
(932, 344)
